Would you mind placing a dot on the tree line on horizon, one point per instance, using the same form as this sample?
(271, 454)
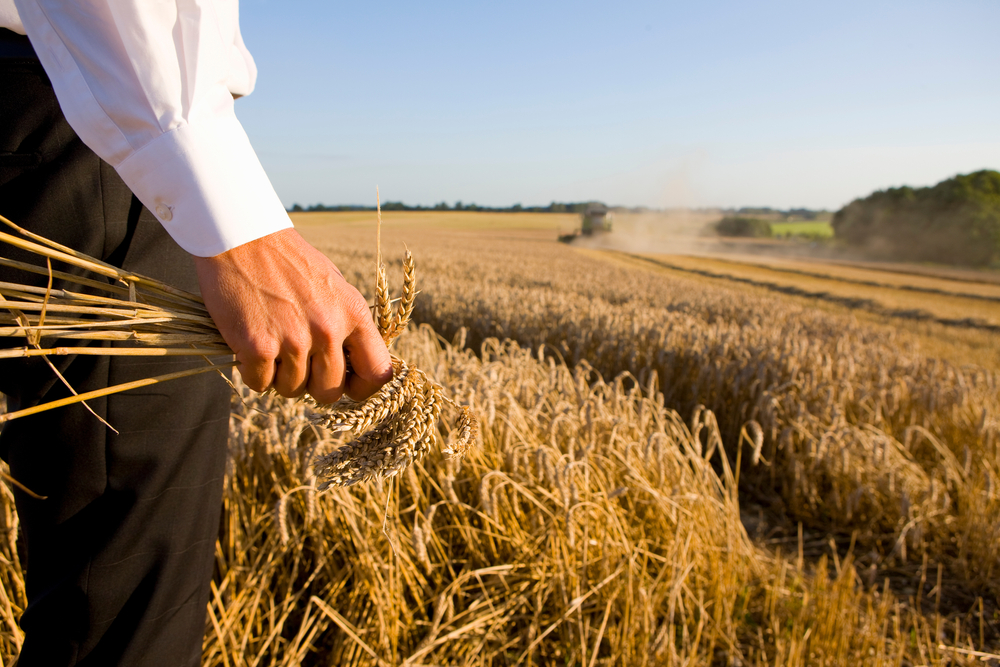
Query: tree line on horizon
(554, 207)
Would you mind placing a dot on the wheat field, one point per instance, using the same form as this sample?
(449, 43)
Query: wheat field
(671, 472)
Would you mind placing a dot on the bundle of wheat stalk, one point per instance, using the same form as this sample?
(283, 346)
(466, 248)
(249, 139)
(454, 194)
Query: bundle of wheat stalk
(394, 427)
(397, 423)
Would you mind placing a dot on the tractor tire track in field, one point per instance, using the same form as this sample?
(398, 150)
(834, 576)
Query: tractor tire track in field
(869, 305)
(870, 283)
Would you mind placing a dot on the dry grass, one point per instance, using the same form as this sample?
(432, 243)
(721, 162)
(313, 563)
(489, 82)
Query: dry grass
(603, 520)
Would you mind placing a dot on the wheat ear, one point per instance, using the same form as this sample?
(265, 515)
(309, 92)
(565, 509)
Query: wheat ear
(407, 300)
(383, 304)
(396, 425)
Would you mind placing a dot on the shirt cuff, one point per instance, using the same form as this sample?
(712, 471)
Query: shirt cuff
(205, 185)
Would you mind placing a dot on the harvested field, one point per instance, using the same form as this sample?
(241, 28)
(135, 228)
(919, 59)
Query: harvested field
(963, 342)
(674, 470)
(974, 284)
(946, 301)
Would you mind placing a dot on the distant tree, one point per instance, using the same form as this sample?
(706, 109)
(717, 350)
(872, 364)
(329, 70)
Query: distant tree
(956, 221)
(760, 210)
(554, 207)
(804, 213)
(743, 227)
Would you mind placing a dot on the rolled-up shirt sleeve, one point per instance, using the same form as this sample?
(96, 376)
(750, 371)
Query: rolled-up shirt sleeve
(148, 85)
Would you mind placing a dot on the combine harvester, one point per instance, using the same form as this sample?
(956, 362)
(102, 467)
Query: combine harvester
(596, 218)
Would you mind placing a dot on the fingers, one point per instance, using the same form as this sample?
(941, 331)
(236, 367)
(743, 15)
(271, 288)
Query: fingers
(370, 361)
(327, 377)
(322, 369)
(256, 376)
(257, 367)
(289, 316)
(324, 374)
(291, 374)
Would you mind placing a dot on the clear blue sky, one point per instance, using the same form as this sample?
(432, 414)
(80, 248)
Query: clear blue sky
(712, 103)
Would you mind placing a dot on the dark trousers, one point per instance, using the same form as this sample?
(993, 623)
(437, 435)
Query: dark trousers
(120, 555)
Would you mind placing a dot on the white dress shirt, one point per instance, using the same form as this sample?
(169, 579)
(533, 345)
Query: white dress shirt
(148, 85)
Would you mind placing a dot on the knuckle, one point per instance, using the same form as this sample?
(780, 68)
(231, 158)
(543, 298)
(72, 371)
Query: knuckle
(325, 339)
(356, 309)
(296, 345)
(260, 351)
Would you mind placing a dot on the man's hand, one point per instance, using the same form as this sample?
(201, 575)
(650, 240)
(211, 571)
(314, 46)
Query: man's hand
(289, 315)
